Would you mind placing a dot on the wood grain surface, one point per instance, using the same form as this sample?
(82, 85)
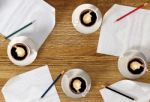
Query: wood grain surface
(65, 49)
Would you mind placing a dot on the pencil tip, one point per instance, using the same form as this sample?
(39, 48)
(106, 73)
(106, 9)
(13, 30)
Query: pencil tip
(41, 97)
(145, 3)
(34, 21)
(115, 21)
(63, 72)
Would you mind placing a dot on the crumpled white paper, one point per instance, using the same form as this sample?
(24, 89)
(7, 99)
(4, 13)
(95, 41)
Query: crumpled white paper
(132, 32)
(15, 14)
(137, 90)
(30, 86)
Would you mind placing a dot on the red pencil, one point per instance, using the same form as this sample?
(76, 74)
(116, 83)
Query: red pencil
(141, 6)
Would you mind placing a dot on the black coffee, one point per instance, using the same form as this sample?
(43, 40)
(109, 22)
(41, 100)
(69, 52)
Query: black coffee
(88, 17)
(78, 85)
(19, 52)
(136, 66)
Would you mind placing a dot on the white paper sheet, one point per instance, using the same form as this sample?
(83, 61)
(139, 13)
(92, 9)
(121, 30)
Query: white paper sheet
(137, 90)
(132, 32)
(15, 14)
(29, 87)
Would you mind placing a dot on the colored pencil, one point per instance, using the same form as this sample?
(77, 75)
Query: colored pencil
(58, 77)
(119, 93)
(22, 28)
(132, 11)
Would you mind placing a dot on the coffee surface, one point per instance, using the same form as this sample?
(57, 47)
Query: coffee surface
(88, 18)
(78, 85)
(136, 66)
(19, 52)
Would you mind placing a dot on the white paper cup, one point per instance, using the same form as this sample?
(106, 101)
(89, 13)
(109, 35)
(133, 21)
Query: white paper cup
(67, 78)
(79, 26)
(126, 58)
(31, 50)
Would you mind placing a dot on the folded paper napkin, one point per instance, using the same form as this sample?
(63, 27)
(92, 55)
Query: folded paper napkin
(29, 87)
(137, 90)
(132, 32)
(15, 14)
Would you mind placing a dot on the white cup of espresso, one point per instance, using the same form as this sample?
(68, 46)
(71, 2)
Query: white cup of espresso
(21, 51)
(132, 64)
(76, 83)
(86, 18)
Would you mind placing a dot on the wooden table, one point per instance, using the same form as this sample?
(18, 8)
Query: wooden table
(65, 49)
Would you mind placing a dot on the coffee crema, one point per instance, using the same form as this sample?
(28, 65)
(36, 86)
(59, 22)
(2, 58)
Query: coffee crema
(136, 66)
(78, 85)
(88, 18)
(19, 51)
